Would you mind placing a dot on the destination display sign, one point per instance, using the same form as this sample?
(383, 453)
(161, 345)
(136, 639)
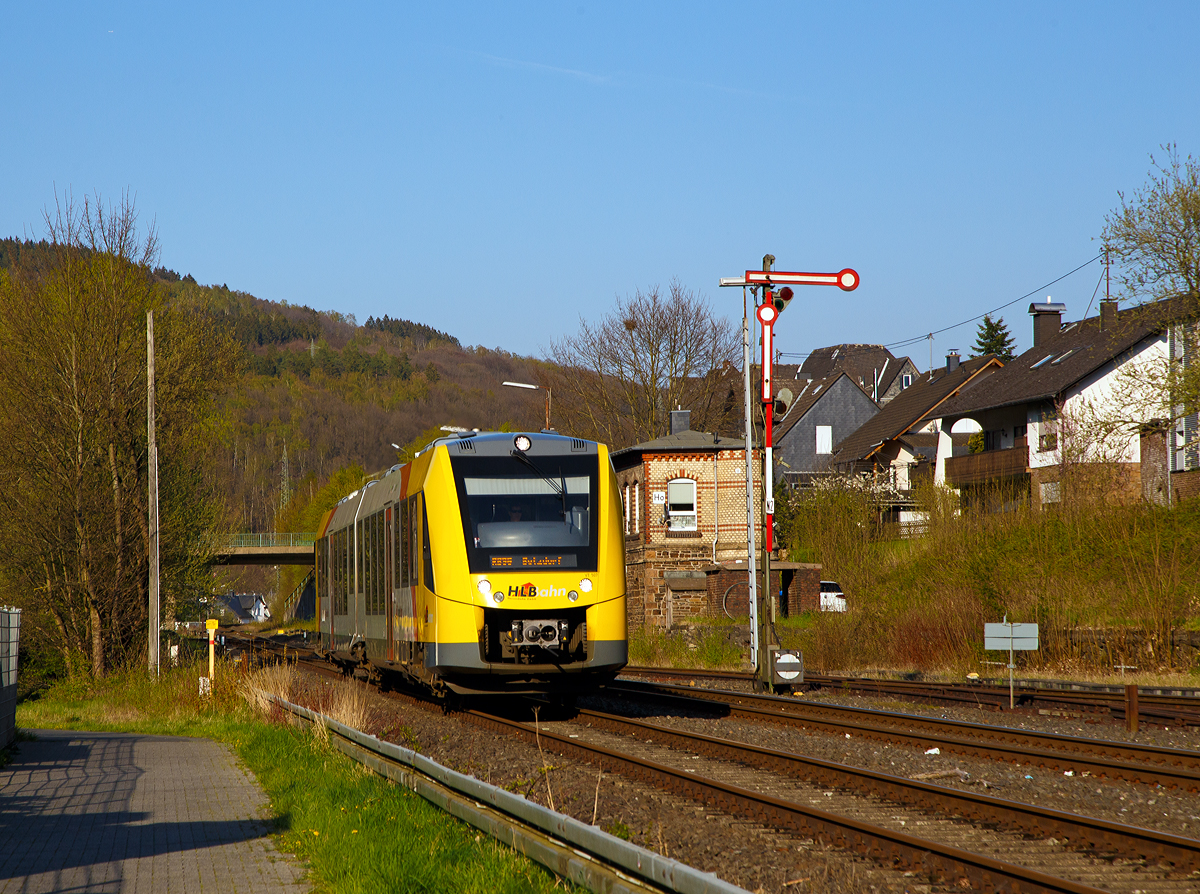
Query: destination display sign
(553, 561)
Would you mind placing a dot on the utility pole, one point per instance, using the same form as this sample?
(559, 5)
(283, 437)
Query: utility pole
(152, 522)
(751, 521)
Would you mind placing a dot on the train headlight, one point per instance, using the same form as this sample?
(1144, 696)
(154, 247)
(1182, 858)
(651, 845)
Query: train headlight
(485, 587)
(586, 585)
(498, 597)
(573, 595)
(522, 443)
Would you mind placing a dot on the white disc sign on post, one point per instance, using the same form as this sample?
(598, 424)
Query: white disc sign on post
(1010, 637)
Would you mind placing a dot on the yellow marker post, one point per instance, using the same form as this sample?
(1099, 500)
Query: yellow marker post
(211, 624)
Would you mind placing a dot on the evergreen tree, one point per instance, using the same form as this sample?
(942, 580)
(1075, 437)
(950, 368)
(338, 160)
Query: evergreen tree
(994, 338)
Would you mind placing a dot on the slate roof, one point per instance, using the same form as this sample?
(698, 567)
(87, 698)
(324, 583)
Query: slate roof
(807, 394)
(682, 442)
(860, 361)
(913, 406)
(1078, 349)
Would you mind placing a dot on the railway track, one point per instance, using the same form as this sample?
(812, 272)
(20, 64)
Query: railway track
(952, 835)
(1152, 765)
(1175, 707)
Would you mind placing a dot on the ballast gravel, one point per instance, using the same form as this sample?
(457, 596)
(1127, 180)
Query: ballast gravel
(749, 855)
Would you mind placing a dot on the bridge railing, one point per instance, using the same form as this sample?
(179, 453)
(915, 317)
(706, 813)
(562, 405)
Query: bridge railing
(262, 541)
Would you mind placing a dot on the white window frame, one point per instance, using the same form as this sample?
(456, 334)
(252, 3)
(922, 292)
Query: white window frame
(637, 507)
(827, 441)
(682, 519)
(625, 494)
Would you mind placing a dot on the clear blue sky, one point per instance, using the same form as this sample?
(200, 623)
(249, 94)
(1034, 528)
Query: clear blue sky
(498, 170)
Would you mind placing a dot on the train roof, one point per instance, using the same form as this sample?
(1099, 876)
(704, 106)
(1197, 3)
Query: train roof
(501, 443)
(391, 486)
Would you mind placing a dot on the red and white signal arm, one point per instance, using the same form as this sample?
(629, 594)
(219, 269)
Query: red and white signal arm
(847, 280)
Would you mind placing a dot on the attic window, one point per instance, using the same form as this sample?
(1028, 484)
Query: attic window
(1043, 360)
(1063, 357)
(905, 380)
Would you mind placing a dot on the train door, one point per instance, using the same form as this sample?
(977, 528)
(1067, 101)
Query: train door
(389, 582)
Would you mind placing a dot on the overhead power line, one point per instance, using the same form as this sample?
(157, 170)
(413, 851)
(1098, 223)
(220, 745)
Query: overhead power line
(912, 341)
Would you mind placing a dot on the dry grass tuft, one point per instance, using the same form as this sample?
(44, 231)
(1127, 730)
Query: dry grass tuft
(346, 702)
(258, 687)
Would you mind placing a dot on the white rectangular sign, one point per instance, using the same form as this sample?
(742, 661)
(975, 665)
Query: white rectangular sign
(1018, 637)
(658, 497)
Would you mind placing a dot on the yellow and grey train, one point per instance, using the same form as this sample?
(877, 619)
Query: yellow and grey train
(492, 563)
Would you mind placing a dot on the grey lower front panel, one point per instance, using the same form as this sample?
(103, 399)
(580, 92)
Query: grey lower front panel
(460, 667)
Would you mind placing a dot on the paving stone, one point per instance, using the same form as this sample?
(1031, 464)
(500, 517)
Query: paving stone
(116, 812)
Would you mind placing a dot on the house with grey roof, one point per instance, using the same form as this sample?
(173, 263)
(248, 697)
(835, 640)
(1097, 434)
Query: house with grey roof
(899, 442)
(1066, 406)
(873, 367)
(822, 413)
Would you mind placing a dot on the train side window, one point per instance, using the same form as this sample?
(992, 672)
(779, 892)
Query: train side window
(397, 552)
(357, 546)
(413, 538)
(406, 543)
(378, 554)
(428, 553)
(345, 565)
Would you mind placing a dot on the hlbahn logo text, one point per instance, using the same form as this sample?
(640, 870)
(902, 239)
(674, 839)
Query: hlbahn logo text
(530, 590)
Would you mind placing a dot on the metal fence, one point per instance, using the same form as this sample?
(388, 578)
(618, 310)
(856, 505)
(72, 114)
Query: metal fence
(10, 634)
(260, 541)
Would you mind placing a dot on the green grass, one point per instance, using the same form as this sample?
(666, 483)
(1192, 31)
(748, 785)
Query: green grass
(651, 647)
(1085, 565)
(357, 831)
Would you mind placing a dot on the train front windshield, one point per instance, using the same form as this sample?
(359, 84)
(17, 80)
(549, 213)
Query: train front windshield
(520, 516)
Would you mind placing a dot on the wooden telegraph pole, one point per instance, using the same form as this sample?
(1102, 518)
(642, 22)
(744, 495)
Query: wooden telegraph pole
(152, 475)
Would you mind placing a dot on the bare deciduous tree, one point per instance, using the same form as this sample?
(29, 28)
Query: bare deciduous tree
(616, 380)
(73, 330)
(1155, 235)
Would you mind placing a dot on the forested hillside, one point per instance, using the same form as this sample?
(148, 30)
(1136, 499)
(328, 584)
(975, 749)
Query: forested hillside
(318, 393)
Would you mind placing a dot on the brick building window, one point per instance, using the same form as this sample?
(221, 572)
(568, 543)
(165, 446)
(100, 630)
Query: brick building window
(681, 505)
(637, 507)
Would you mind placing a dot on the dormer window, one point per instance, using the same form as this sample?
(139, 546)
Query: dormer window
(905, 381)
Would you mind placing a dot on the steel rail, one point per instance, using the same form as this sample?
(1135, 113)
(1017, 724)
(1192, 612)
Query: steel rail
(1049, 750)
(1179, 707)
(883, 845)
(1106, 838)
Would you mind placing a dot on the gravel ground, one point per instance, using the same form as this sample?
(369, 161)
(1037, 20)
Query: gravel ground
(1169, 810)
(744, 853)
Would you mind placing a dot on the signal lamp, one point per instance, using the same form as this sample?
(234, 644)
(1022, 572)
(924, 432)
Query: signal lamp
(783, 298)
(586, 585)
(573, 596)
(485, 587)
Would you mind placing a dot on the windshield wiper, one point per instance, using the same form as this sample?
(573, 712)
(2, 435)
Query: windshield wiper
(559, 489)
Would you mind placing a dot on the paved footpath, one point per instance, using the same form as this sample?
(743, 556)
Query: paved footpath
(115, 812)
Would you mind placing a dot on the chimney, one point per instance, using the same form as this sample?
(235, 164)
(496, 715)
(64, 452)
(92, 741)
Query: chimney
(952, 361)
(681, 421)
(1108, 314)
(1047, 321)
